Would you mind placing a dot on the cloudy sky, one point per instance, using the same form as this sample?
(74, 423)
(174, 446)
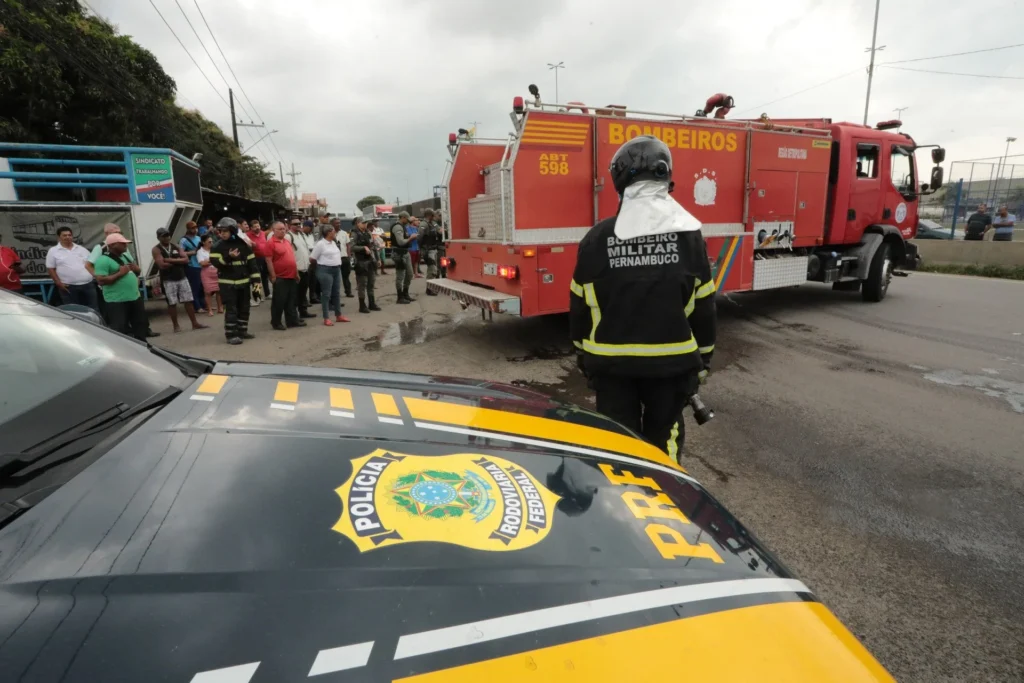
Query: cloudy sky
(364, 92)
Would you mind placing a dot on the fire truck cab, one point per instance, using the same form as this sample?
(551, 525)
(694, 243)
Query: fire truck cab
(782, 202)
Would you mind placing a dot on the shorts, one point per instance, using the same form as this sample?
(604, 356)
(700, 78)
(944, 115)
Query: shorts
(177, 291)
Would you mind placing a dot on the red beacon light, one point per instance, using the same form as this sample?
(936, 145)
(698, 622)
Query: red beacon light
(452, 138)
(517, 105)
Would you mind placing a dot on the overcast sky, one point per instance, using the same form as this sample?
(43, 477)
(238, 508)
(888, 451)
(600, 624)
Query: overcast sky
(365, 92)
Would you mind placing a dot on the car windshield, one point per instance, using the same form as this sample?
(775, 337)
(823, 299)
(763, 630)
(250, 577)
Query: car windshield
(47, 356)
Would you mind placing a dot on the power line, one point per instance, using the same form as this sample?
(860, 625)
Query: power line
(234, 75)
(800, 92)
(153, 4)
(203, 45)
(952, 54)
(953, 73)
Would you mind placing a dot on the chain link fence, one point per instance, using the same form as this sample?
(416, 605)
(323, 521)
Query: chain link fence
(994, 182)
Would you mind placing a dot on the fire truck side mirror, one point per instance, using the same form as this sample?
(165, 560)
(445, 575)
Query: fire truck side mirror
(938, 155)
(937, 175)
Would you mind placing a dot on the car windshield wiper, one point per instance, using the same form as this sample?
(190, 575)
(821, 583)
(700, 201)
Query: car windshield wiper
(95, 426)
(192, 367)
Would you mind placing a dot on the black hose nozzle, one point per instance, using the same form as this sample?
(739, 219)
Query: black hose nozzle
(701, 413)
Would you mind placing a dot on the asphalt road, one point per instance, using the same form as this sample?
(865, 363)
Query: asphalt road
(877, 448)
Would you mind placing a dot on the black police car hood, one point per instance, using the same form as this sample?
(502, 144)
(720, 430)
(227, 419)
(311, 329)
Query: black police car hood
(270, 525)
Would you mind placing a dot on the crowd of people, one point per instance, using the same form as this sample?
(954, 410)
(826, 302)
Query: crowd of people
(228, 269)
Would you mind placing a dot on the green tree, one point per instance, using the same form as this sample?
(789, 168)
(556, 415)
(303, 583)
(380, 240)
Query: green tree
(68, 78)
(369, 200)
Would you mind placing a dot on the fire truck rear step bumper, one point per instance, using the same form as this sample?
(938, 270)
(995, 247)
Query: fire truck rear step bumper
(471, 295)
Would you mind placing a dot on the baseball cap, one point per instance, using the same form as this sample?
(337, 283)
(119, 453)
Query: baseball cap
(162, 231)
(117, 238)
(308, 223)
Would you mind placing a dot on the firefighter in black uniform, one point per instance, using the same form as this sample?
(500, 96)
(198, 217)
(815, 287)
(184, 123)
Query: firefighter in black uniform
(236, 273)
(642, 309)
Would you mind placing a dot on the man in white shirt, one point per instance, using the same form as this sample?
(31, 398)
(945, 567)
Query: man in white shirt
(303, 244)
(65, 263)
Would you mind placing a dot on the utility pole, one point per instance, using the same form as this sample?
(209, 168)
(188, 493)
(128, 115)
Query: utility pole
(555, 68)
(871, 66)
(295, 184)
(234, 123)
(280, 170)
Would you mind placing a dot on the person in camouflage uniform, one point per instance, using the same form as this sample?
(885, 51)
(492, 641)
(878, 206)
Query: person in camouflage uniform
(365, 255)
(431, 242)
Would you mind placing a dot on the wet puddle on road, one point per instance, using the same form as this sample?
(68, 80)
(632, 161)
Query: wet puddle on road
(1011, 392)
(416, 331)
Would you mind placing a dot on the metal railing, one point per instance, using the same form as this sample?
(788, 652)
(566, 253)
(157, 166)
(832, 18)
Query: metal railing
(995, 183)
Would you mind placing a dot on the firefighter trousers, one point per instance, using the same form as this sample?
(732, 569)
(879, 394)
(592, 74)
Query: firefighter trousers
(650, 406)
(236, 309)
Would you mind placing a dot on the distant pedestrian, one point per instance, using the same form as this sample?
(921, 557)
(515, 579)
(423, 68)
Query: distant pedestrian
(171, 262)
(378, 242)
(365, 265)
(431, 241)
(190, 245)
(65, 262)
(118, 275)
(978, 223)
(401, 240)
(237, 272)
(1003, 224)
(11, 269)
(303, 244)
(414, 248)
(343, 240)
(208, 273)
(207, 228)
(327, 257)
(258, 239)
(284, 279)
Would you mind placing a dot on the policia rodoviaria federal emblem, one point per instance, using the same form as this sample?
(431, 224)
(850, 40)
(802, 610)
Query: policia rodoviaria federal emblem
(476, 501)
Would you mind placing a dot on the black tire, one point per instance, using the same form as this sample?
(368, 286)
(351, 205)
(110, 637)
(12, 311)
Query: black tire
(879, 275)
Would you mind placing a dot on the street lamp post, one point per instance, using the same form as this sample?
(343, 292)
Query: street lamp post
(1002, 162)
(899, 115)
(555, 68)
(253, 145)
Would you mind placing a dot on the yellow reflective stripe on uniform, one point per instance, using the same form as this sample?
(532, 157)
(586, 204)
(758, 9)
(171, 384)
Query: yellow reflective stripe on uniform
(578, 345)
(576, 289)
(691, 304)
(648, 350)
(707, 349)
(215, 255)
(232, 282)
(595, 311)
(706, 289)
(671, 447)
(250, 256)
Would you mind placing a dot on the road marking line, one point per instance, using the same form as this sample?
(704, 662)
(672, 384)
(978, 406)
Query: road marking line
(341, 399)
(341, 658)
(390, 420)
(342, 413)
(557, 446)
(231, 674)
(385, 404)
(591, 610)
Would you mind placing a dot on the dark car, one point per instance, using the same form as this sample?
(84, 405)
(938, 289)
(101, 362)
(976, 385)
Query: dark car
(930, 230)
(171, 519)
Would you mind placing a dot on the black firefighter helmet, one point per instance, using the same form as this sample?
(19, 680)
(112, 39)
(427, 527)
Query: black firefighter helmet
(643, 158)
(228, 223)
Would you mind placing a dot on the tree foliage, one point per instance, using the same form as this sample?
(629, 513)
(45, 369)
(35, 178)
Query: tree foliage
(69, 78)
(369, 200)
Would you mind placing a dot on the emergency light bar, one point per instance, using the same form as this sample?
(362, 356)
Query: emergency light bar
(888, 125)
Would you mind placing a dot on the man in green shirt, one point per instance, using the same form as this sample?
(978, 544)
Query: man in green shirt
(118, 275)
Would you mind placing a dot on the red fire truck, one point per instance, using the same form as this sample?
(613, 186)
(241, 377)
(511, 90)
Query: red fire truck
(782, 201)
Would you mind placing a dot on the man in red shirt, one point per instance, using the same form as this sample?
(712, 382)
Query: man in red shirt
(11, 269)
(258, 240)
(284, 278)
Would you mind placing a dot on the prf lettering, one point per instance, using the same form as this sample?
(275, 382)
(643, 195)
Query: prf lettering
(655, 509)
(680, 138)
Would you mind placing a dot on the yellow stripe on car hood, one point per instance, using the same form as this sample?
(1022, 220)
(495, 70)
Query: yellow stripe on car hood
(793, 642)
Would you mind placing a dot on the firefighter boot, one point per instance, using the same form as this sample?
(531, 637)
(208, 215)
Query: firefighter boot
(405, 293)
(373, 303)
(362, 305)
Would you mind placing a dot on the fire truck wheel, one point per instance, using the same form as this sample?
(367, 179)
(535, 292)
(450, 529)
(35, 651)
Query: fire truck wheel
(879, 275)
